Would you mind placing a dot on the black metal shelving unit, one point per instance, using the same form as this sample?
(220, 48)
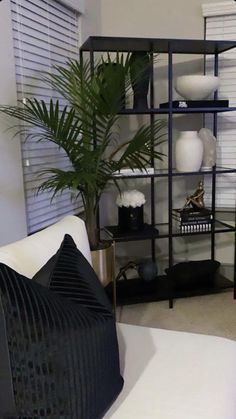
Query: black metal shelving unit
(133, 291)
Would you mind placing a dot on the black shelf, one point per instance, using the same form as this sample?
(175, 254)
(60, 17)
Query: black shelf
(159, 45)
(148, 232)
(135, 291)
(132, 291)
(148, 111)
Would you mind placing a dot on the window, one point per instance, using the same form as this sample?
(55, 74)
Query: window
(45, 32)
(221, 24)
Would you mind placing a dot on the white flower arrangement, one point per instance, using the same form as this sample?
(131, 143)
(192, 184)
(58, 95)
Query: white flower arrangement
(130, 198)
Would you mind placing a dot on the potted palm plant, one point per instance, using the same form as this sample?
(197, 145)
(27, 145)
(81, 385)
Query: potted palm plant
(86, 129)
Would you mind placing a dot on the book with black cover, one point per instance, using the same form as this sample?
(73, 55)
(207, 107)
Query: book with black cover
(191, 222)
(197, 104)
(191, 215)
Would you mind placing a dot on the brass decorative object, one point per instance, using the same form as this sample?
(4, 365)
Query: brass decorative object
(196, 200)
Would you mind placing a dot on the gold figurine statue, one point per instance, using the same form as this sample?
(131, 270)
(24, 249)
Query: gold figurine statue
(196, 199)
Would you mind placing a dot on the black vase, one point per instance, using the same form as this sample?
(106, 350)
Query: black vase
(130, 218)
(140, 72)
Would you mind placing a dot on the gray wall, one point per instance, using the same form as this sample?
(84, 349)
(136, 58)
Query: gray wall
(91, 21)
(153, 18)
(12, 209)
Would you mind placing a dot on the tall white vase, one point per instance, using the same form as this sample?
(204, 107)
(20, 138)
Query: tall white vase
(188, 152)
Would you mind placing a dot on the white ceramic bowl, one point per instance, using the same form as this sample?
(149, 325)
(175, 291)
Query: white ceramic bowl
(196, 87)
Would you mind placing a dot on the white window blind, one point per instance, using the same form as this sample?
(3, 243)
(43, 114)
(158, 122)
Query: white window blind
(45, 32)
(223, 27)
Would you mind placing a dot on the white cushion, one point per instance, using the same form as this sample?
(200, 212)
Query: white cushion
(28, 255)
(175, 375)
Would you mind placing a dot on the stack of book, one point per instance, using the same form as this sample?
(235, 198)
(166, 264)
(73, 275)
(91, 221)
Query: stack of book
(189, 220)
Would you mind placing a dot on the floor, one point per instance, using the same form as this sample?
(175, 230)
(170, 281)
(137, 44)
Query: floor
(209, 314)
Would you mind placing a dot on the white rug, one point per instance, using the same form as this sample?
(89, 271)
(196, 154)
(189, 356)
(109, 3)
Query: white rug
(209, 314)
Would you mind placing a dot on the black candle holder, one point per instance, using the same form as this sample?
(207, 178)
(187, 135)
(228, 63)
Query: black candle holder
(130, 218)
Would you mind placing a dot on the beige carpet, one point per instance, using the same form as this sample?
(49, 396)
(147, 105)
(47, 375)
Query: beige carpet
(209, 314)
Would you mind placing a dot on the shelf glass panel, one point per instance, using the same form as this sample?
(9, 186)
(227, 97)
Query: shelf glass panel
(218, 169)
(164, 173)
(219, 227)
(160, 231)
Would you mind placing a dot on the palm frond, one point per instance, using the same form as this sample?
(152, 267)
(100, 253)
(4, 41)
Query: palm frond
(60, 127)
(87, 128)
(139, 150)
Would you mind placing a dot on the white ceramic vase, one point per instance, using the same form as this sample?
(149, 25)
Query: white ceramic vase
(209, 148)
(188, 152)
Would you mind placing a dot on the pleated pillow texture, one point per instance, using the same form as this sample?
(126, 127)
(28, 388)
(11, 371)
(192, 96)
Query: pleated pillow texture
(69, 274)
(63, 356)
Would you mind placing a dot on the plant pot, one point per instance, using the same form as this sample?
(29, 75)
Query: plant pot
(130, 218)
(103, 261)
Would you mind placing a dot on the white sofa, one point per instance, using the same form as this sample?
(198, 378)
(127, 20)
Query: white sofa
(167, 374)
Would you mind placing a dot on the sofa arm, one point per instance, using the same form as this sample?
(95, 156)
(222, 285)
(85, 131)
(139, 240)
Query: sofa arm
(28, 255)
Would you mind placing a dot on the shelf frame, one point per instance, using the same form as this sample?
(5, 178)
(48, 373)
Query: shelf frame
(171, 47)
(152, 184)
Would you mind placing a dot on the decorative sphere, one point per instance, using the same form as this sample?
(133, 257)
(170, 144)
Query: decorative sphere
(147, 270)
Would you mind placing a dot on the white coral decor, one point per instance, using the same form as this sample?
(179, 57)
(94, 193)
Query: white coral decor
(130, 198)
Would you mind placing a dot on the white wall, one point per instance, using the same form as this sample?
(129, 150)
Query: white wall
(12, 207)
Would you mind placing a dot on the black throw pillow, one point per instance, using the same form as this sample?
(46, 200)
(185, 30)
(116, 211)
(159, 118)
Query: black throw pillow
(194, 273)
(62, 357)
(70, 274)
